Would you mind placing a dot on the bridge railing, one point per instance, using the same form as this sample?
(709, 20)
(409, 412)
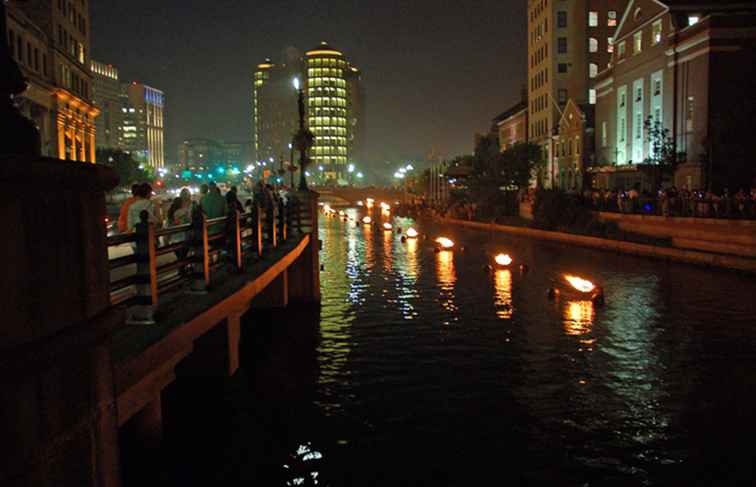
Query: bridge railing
(149, 263)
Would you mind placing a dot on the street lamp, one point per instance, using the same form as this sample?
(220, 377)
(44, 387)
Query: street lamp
(304, 138)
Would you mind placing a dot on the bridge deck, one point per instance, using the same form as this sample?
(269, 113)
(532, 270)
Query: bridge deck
(144, 355)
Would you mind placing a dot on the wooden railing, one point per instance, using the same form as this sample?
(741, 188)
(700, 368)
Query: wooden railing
(190, 257)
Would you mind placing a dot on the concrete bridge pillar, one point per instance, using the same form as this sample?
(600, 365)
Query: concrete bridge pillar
(58, 419)
(216, 353)
(276, 295)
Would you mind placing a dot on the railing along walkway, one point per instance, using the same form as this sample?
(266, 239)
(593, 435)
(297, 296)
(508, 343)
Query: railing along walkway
(151, 268)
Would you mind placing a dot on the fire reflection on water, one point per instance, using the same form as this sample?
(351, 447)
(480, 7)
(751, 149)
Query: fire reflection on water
(447, 278)
(503, 296)
(578, 317)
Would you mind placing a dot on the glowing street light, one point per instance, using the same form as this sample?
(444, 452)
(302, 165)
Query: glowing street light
(350, 168)
(360, 175)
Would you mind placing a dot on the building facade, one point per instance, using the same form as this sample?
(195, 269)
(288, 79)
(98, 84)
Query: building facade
(106, 96)
(512, 126)
(49, 39)
(569, 43)
(275, 117)
(143, 114)
(334, 110)
(573, 146)
(687, 68)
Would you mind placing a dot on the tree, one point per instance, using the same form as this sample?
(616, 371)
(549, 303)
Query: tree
(125, 166)
(661, 144)
(517, 163)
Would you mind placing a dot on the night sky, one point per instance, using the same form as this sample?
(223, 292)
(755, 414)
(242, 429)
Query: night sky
(434, 72)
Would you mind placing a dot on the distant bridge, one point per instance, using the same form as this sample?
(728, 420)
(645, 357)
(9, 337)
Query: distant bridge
(349, 196)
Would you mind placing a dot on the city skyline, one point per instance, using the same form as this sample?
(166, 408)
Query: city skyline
(472, 80)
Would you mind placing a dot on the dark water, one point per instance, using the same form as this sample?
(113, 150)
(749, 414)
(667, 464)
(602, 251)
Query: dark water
(426, 369)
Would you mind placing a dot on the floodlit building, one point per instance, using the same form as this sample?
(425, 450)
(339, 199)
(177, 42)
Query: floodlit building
(688, 67)
(106, 96)
(143, 113)
(275, 117)
(512, 126)
(569, 43)
(334, 110)
(49, 39)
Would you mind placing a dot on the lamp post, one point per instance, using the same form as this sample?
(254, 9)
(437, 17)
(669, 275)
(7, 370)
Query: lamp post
(291, 163)
(24, 136)
(304, 138)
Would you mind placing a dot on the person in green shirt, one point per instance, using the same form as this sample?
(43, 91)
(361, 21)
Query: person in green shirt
(212, 203)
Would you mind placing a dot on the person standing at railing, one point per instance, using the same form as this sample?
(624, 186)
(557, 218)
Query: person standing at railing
(123, 217)
(143, 202)
(232, 200)
(213, 206)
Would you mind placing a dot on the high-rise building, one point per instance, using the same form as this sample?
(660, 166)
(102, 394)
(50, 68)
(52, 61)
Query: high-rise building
(143, 124)
(275, 118)
(49, 39)
(196, 152)
(569, 43)
(106, 95)
(335, 109)
(333, 91)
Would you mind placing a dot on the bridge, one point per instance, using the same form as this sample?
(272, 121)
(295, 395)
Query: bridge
(349, 196)
(95, 327)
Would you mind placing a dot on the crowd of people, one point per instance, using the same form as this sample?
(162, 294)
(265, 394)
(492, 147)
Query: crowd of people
(181, 209)
(675, 202)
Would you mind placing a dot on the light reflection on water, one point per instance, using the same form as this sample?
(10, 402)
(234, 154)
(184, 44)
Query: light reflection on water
(606, 384)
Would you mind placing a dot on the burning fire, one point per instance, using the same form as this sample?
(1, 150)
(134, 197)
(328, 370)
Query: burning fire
(412, 233)
(387, 226)
(503, 260)
(444, 242)
(360, 203)
(581, 285)
(385, 206)
(367, 220)
(341, 213)
(369, 202)
(327, 208)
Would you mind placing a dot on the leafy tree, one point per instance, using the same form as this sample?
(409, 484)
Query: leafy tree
(125, 166)
(662, 145)
(516, 164)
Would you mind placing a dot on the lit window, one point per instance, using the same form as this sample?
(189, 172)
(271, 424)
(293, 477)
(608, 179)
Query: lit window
(592, 96)
(612, 19)
(593, 19)
(657, 32)
(621, 50)
(593, 70)
(638, 42)
(609, 45)
(693, 19)
(593, 45)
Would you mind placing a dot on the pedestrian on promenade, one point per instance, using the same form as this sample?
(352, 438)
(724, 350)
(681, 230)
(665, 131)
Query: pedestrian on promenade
(143, 202)
(212, 203)
(232, 200)
(123, 217)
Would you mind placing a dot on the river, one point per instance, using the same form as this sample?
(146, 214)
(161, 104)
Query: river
(425, 368)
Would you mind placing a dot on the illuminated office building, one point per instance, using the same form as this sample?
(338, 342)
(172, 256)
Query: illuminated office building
(334, 110)
(275, 118)
(569, 43)
(333, 91)
(106, 95)
(143, 114)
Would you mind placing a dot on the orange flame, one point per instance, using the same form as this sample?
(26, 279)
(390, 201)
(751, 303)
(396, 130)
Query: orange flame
(445, 242)
(503, 260)
(412, 233)
(367, 220)
(580, 284)
(387, 226)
